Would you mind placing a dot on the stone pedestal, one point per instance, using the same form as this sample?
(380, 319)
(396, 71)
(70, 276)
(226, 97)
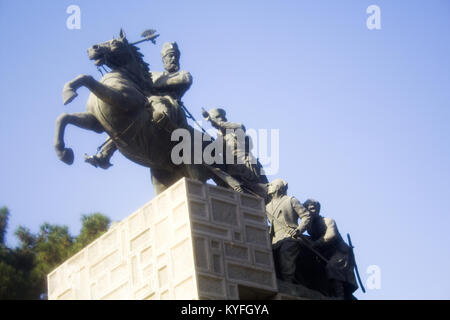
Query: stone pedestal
(193, 241)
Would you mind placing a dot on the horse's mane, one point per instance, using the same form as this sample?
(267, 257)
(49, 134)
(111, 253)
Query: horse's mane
(140, 60)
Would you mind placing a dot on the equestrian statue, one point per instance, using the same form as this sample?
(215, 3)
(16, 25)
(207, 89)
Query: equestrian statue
(137, 113)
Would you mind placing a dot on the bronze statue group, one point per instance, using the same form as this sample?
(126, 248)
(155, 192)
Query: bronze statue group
(321, 260)
(139, 110)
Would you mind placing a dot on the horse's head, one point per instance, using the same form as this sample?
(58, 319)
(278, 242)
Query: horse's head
(113, 53)
(121, 54)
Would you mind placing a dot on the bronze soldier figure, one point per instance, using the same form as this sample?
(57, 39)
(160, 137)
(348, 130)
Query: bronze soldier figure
(328, 241)
(283, 212)
(168, 89)
(237, 148)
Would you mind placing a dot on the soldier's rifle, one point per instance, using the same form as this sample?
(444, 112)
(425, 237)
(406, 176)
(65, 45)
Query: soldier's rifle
(354, 263)
(300, 238)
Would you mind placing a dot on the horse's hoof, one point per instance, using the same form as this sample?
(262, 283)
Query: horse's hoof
(68, 95)
(66, 156)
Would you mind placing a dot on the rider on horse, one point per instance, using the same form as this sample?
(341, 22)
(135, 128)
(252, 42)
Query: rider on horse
(164, 101)
(138, 124)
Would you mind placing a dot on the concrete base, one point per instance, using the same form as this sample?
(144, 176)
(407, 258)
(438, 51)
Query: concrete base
(193, 241)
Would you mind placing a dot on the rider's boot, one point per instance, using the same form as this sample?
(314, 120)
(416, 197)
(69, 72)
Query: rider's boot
(102, 158)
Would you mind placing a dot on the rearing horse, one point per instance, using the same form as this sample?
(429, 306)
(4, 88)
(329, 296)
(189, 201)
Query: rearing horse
(119, 105)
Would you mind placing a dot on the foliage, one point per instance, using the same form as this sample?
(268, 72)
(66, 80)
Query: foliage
(4, 214)
(24, 269)
(93, 226)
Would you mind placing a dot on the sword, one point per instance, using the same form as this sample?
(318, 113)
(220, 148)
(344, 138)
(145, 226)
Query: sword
(354, 262)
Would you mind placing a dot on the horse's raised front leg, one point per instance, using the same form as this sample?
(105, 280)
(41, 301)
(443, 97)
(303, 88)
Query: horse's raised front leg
(106, 93)
(71, 87)
(83, 120)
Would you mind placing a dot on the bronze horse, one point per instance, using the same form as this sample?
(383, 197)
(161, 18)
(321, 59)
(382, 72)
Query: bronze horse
(119, 105)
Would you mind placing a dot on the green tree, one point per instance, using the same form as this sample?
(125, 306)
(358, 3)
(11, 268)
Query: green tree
(14, 280)
(23, 270)
(4, 215)
(53, 245)
(92, 226)
(16, 265)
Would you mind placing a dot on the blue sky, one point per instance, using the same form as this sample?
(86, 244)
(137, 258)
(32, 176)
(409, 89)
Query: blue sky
(363, 114)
